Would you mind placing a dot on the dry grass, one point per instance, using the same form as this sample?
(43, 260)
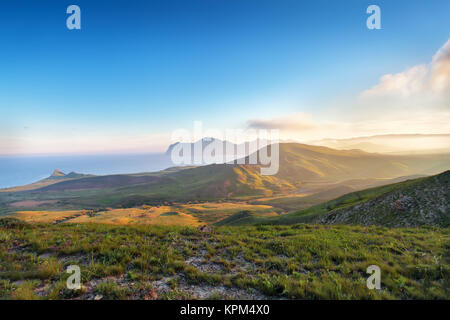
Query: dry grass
(181, 215)
(155, 215)
(45, 216)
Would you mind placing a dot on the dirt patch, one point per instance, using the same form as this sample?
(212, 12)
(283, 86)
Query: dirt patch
(204, 265)
(79, 258)
(205, 291)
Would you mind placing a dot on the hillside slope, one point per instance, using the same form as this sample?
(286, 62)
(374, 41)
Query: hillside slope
(412, 203)
(424, 202)
(305, 163)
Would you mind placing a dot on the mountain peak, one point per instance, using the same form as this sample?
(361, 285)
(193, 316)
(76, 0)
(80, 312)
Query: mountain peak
(58, 173)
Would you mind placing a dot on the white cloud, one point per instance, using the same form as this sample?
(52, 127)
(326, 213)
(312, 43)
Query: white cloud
(294, 122)
(403, 84)
(424, 85)
(440, 70)
(303, 127)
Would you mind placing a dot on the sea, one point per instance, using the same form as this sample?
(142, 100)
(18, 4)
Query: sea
(21, 170)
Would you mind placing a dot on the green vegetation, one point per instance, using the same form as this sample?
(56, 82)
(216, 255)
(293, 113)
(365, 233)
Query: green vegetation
(240, 218)
(418, 202)
(160, 262)
(170, 213)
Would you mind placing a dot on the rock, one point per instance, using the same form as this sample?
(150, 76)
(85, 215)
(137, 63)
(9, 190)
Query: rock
(17, 283)
(98, 297)
(206, 229)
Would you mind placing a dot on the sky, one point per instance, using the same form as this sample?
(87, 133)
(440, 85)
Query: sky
(138, 70)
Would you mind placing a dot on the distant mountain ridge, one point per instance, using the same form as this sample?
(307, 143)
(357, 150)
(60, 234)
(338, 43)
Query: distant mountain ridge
(56, 177)
(203, 143)
(392, 143)
(306, 163)
(57, 173)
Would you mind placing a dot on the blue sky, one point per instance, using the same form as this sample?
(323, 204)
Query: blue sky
(139, 69)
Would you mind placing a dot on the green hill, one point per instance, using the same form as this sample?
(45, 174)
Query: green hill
(237, 219)
(420, 202)
(305, 163)
(56, 177)
(412, 203)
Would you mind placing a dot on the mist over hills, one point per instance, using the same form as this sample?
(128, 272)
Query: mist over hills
(392, 143)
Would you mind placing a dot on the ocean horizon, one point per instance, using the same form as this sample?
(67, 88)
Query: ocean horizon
(22, 170)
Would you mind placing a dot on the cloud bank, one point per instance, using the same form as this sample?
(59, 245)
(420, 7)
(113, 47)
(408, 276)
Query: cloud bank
(419, 85)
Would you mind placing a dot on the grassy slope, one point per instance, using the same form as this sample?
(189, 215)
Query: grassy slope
(148, 262)
(427, 202)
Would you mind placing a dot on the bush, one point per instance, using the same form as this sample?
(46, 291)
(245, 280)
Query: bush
(111, 291)
(13, 223)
